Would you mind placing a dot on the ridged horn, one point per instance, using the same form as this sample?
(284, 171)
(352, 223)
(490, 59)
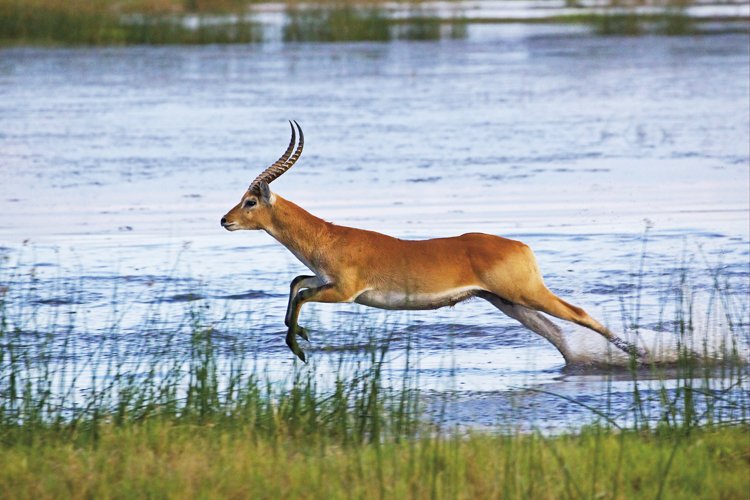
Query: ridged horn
(286, 160)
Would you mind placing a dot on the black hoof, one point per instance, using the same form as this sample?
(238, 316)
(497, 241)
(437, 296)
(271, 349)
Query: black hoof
(302, 332)
(291, 342)
(632, 349)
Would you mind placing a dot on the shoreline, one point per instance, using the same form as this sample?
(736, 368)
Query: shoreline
(40, 24)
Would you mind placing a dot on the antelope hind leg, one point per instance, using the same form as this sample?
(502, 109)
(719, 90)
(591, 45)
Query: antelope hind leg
(533, 320)
(547, 302)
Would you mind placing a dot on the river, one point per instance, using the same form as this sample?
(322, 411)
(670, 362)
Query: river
(623, 162)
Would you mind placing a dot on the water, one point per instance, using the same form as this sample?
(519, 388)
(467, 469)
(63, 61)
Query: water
(118, 163)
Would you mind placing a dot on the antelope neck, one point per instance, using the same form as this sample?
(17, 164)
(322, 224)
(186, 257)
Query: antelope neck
(298, 230)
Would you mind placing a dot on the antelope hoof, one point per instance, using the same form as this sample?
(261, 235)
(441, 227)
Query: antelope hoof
(291, 342)
(640, 354)
(300, 354)
(632, 349)
(302, 332)
(298, 330)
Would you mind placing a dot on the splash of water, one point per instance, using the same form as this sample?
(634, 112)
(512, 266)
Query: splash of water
(709, 336)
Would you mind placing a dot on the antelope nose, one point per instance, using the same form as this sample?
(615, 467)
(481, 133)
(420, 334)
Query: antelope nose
(223, 220)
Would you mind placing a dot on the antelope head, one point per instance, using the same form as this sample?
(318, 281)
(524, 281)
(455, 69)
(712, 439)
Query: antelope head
(254, 209)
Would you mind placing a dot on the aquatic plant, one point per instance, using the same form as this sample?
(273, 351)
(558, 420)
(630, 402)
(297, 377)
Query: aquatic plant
(178, 392)
(625, 19)
(53, 370)
(675, 21)
(336, 23)
(181, 377)
(109, 23)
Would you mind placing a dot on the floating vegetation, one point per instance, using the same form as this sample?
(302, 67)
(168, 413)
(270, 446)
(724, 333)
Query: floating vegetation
(107, 22)
(102, 23)
(348, 22)
(340, 23)
(617, 23)
(672, 22)
(422, 26)
(675, 22)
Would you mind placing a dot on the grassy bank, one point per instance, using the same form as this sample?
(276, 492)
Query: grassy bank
(158, 22)
(180, 408)
(180, 461)
(105, 22)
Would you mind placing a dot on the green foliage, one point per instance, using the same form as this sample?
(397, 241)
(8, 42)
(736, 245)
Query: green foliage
(619, 23)
(342, 22)
(110, 22)
(188, 420)
(99, 23)
(348, 21)
(181, 378)
(675, 22)
(163, 459)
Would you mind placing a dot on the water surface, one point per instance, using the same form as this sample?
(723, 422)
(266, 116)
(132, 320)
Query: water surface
(118, 163)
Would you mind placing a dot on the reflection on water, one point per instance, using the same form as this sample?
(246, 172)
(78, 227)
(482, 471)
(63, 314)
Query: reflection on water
(117, 164)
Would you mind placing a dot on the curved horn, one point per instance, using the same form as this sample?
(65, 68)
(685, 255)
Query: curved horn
(285, 162)
(298, 152)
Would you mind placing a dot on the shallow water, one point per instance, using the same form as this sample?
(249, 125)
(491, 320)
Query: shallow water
(117, 165)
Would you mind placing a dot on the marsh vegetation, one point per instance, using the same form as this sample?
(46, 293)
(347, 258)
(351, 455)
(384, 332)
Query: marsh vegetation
(159, 22)
(142, 347)
(181, 409)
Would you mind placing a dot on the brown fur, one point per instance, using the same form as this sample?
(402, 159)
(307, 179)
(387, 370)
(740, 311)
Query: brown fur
(350, 263)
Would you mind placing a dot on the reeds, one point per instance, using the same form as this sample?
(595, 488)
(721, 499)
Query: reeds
(104, 22)
(347, 21)
(158, 22)
(342, 22)
(48, 386)
(179, 392)
(673, 21)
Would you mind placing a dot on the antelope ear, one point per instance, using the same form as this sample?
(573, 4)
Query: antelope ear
(264, 192)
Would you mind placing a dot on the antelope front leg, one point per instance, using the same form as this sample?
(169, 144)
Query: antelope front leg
(298, 284)
(325, 293)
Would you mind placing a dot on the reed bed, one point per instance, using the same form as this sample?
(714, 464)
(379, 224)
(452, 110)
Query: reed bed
(105, 22)
(350, 21)
(174, 409)
(159, 22)
(169, 461)
(672, 21)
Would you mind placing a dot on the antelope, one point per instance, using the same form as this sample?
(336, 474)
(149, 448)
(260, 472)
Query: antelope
(377, 270)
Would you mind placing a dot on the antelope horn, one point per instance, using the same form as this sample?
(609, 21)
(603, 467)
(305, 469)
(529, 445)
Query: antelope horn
(285, 162)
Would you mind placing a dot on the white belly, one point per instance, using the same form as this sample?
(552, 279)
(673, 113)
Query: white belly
(401, 300)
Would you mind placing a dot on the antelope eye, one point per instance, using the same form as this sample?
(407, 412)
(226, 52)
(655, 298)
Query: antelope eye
(250, 203)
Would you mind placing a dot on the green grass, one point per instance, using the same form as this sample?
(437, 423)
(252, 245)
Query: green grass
(159, 22)
(79, 22)
(167, 460)
(168, 411)
(342, 22)
(350, 21)
(672, 22)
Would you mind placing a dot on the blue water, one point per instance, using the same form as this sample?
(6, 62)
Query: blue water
(118, 163)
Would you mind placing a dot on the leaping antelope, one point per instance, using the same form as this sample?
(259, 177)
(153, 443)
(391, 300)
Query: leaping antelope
(373, 269)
